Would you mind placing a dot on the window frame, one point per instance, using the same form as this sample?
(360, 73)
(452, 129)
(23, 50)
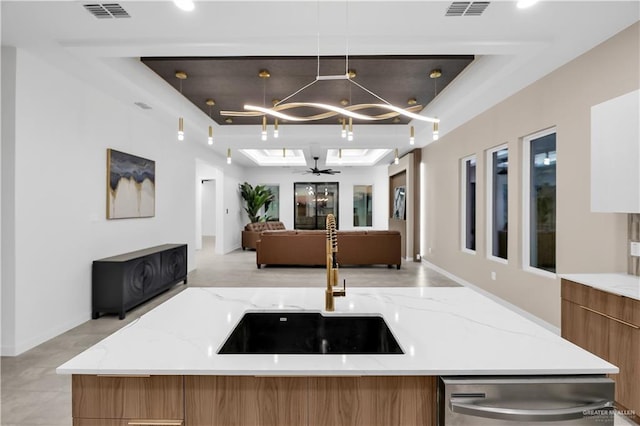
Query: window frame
(372, 205)
(526, 204)
(489, 203)
(463, 203)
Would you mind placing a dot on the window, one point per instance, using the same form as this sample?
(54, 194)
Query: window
(497, 202)
(313, 201)
(540, 201)
(468, 204)
(362, 205)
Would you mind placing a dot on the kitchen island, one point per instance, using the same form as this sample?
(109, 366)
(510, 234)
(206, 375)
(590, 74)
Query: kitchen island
(165, 365)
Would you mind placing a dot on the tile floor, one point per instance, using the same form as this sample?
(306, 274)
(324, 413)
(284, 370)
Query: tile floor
(32, 393)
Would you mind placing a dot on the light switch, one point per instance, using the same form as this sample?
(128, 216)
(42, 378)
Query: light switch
(635, 248)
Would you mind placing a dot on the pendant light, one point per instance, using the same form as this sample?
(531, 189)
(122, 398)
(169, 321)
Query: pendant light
(350, 132)
(412, 138)
(343, 133)
(210, 103)
(263, 134)
(264, 75)
(435, 74)
(275, 129)
(396, 160)
(181, 75)
(180, 129)
(228, 155)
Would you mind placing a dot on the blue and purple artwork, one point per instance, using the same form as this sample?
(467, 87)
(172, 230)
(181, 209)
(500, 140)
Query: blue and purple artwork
(131, 186)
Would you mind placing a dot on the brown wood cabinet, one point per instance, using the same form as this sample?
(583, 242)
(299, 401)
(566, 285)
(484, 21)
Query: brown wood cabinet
(607, 325)
(313, 401)
(111, 401)
(372, 401)
(245, 400)
(126, 422)
(253, 401)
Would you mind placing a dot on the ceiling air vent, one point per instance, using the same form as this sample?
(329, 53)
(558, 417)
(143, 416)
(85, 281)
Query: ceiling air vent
(142, 105)
(466, 8)
(107, 10)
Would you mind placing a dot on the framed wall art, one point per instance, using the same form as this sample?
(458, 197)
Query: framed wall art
(399, 203)
(131, 186)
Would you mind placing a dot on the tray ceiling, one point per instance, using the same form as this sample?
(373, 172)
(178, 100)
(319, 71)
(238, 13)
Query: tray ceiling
(233, 82)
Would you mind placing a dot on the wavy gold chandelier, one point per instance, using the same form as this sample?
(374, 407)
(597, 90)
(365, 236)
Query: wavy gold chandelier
(387, 109)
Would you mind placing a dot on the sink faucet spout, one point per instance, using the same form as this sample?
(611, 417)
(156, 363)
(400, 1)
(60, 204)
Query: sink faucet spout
(332, 266)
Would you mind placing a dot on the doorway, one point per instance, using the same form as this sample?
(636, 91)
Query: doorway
(208, 217)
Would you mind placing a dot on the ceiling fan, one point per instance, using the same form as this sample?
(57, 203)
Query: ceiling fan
(316, 171)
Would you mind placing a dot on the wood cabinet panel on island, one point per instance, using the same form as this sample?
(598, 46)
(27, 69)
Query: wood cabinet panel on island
(126, 422)
(108, 397)
(607, 325)
(245, 400)
(313, 401)
(256, 401)
(372, 401)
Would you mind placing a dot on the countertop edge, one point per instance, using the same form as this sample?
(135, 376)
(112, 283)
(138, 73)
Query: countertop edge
(617, 283)
(334, 373)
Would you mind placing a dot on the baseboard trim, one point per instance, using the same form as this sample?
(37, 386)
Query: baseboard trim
(497, 299)
(34, 341)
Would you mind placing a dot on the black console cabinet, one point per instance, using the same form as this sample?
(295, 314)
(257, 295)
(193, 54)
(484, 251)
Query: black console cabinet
(122, 282)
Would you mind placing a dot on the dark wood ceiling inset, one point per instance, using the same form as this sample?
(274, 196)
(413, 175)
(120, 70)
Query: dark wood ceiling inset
(234, 82)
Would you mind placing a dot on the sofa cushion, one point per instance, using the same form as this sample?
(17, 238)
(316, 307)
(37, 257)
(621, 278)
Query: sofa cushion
(252, 231)
(263, 226)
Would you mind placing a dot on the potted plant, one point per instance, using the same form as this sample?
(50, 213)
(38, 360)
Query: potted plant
(255, 199)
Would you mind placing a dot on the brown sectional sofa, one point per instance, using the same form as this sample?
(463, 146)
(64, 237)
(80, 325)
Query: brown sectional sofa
(252, 231)
(308, 248)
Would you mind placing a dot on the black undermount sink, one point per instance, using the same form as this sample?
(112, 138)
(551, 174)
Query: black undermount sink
(310, 333)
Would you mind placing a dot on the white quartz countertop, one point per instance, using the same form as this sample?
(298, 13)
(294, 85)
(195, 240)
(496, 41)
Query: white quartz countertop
(620, 284)
(442, 330)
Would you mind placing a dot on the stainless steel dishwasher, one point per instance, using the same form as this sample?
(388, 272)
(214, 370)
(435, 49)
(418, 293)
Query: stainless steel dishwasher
(523, 401)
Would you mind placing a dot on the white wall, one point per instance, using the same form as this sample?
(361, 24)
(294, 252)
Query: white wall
(349, 176)
(208, 190)
(7, 202)
(586, 242)
(63, 128)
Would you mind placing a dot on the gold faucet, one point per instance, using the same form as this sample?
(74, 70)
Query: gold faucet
(332, 266)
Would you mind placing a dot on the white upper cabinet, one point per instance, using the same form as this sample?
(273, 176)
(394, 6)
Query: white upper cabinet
(615, 155)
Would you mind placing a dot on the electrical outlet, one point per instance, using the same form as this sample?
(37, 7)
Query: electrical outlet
(493, 276)
(634, 248)
(430, 250)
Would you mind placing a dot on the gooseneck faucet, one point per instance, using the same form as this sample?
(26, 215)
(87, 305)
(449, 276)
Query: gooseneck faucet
(332, 265)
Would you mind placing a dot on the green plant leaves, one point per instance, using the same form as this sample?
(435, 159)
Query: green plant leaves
(255, 199)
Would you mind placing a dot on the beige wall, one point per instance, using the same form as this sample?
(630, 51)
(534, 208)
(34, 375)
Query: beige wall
(586, 242)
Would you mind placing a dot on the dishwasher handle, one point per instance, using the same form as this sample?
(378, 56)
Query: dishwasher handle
(462, 406)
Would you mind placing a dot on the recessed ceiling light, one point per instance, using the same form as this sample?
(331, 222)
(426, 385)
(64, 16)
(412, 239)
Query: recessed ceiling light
(186, 5)
(523, 4)
(275, 157)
